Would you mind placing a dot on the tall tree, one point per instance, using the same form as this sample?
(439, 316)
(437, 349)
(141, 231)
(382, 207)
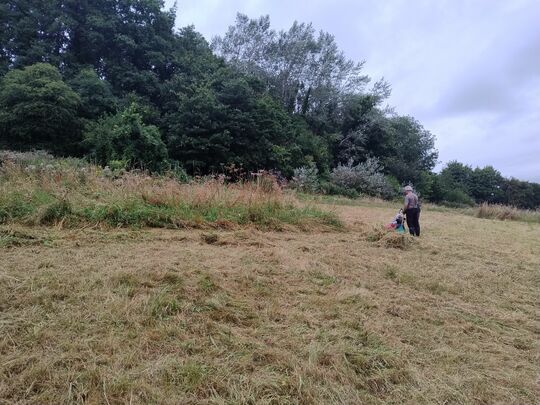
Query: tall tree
(39, 110)
(486, 185)
(95, 93)
(303, 69)
(413, 150)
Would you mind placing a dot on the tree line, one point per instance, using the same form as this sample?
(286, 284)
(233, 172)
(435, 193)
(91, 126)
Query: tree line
(113, 80)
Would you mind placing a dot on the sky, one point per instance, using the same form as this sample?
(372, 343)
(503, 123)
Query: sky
(468, 70)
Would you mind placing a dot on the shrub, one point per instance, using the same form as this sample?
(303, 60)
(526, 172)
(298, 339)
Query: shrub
(365, 177)
(333, 189)
(54, 212)
(457, 198)
(177, 172)
(124, 138)
(306, 179)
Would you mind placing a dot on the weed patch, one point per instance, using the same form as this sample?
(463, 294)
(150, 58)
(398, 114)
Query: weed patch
(506, 213)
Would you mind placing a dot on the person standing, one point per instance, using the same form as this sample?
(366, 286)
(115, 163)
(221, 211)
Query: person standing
(411, 208)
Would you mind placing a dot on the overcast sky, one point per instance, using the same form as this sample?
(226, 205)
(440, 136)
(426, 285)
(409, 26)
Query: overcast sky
(469, 70)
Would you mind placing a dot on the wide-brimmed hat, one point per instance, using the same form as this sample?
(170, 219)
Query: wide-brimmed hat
(407, 188)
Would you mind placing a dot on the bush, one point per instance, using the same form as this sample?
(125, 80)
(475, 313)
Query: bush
(124, 138)
(330, 188)
(306, 179)
(457, 198)
(366, 178)
(178, 173)
(53, 213)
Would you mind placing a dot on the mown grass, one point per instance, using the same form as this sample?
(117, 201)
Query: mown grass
(70, 195)
(251, 317)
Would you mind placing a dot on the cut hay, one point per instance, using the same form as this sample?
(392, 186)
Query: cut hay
(396, 240)
(389, 238)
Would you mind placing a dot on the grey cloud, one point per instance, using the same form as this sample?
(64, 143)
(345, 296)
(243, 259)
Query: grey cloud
(497, 84)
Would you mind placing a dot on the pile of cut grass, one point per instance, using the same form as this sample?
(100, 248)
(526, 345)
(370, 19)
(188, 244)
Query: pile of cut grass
(72, 194)
(15, 238)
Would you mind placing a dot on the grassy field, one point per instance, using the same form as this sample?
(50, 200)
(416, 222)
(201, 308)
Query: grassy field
(127, 316)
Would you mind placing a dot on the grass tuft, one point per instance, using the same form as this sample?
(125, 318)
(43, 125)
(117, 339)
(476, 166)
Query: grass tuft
(164, 304)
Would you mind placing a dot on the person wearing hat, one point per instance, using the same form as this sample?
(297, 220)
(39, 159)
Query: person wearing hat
(411, 208)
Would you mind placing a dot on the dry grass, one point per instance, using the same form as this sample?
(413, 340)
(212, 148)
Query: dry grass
(504, 212)
(243, 316)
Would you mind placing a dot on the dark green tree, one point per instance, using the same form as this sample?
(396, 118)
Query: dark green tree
(39, 111)
(412, 150)
(486, 185)
(124, 137)
(95, 93)
(521, 194)
(454, 184)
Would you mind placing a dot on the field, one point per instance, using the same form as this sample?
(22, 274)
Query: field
(244, 315)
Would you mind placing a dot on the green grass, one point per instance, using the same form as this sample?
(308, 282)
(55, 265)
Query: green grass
(18, 208)
(74, 197)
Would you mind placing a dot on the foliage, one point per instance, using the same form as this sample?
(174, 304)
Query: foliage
(459, 185)
(366, 177)
(412, 150)
(306, 179)
(258, 99)
(303, 69)
(329, 188)
(124, 137)
(95, 94)
(39, 110)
